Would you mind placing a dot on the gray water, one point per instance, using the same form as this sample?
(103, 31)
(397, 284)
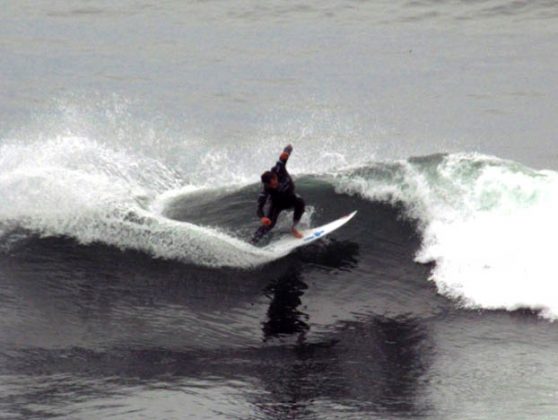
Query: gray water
(412, 77)
(162, 95)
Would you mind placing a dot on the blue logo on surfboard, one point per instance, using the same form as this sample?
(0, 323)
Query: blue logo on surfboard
(314, 235)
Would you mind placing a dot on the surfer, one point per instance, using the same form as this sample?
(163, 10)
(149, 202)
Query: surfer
(279, 192)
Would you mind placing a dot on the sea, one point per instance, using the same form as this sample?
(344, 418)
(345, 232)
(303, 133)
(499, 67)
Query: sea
(132, 139)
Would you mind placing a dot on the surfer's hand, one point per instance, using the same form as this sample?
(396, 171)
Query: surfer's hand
(286, 152)
(266, 221)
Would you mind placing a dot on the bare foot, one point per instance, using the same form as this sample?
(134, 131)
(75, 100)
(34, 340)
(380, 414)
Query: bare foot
(296, 233)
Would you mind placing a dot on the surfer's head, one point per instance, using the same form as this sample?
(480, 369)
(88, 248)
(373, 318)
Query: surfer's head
(269, 179)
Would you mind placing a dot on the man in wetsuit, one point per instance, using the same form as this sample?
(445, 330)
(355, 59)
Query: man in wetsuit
(279, 192)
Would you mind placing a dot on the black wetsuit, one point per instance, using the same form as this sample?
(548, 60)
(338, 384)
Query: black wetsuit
(281, 198)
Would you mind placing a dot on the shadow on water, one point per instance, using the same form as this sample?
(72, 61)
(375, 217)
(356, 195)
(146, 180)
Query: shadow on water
(375, 366)
(284, 317)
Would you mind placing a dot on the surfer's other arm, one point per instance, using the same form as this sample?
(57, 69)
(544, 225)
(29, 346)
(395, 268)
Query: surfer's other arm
(262, 200)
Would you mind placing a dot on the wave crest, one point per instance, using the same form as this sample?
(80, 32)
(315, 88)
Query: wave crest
(489, 225)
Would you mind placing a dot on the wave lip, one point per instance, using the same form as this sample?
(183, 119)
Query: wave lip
(488, 225)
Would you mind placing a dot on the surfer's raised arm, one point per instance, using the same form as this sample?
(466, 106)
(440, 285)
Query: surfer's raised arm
(280, 167)
(286, 153)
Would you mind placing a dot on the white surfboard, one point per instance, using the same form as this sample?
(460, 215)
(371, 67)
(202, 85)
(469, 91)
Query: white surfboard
(286, 244)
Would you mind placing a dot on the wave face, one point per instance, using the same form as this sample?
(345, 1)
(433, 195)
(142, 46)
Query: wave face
(488, 225)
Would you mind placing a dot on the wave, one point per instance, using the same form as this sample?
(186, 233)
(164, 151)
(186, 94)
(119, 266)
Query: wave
(488, 224)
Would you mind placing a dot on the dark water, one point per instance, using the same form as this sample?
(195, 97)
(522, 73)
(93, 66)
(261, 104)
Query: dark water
(132, 137)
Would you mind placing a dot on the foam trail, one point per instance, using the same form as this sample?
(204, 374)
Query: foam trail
(489, 225)
(76, 187)
(95, 173)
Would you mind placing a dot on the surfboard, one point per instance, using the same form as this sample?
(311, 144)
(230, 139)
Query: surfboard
(288, 243)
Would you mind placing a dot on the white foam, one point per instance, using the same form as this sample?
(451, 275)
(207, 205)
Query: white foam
(489, 225)
(76, 187)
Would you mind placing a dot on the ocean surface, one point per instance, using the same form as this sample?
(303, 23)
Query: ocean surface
(132, 138)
